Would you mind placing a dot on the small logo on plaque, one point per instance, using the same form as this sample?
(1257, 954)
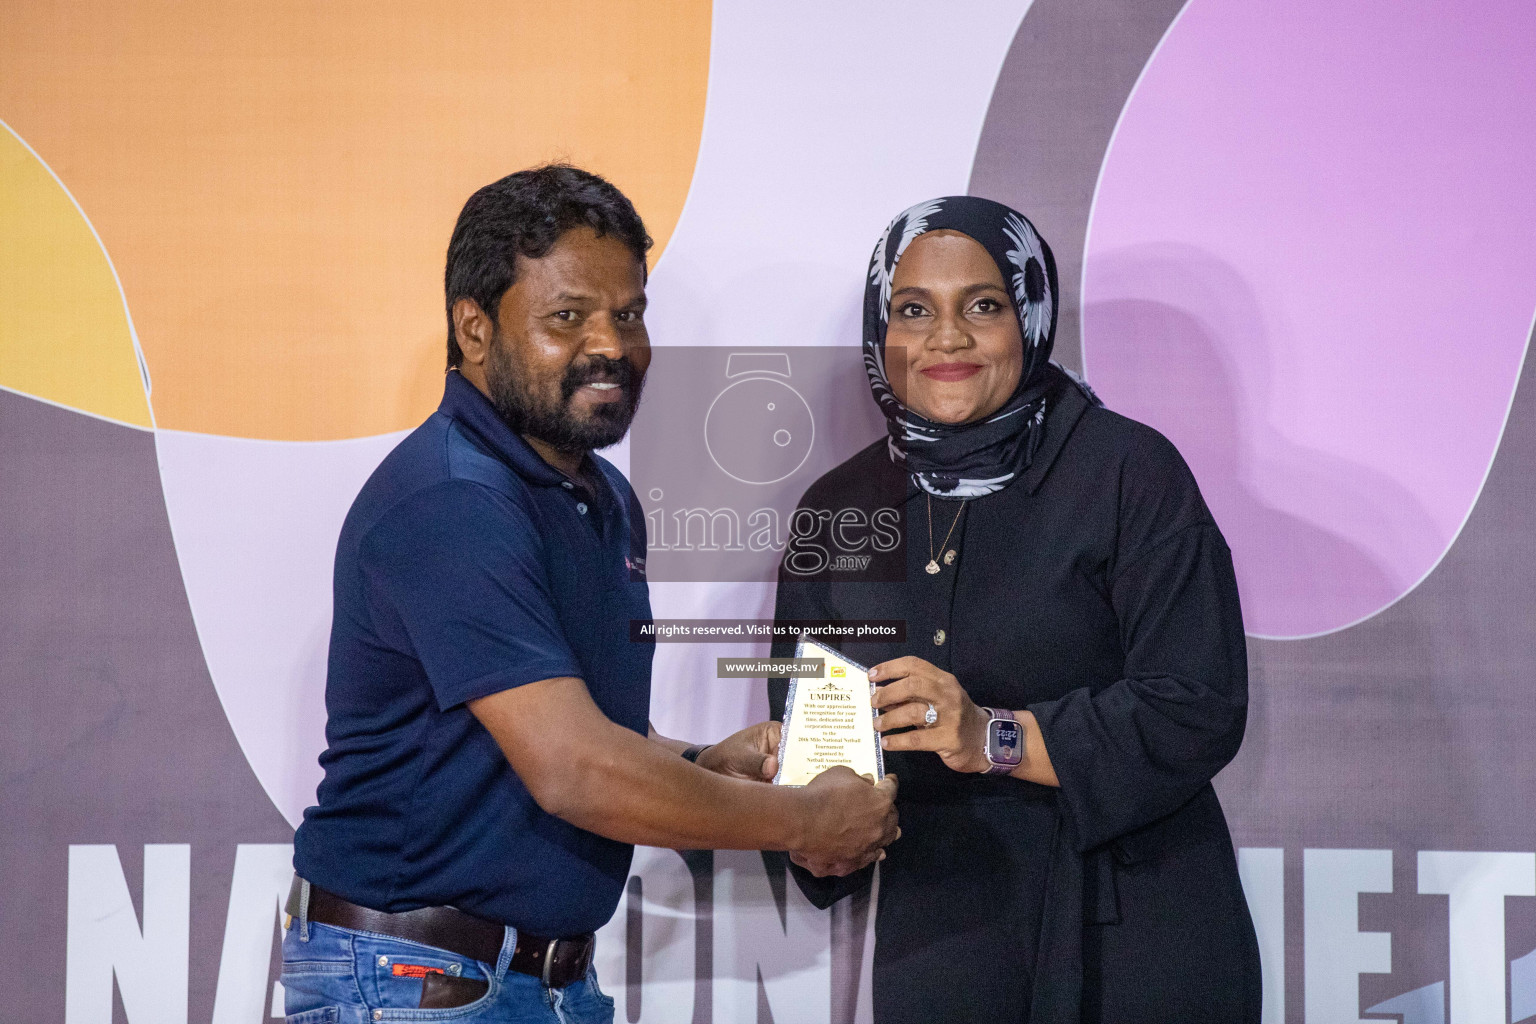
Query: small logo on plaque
(837, 672)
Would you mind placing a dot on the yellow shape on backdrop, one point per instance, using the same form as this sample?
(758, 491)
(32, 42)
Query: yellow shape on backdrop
(277, 182)
(64, 334)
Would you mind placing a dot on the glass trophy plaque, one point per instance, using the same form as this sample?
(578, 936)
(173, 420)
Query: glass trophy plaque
(828, 720)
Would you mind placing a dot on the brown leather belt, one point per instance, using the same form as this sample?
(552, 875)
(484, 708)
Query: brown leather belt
(555, 962)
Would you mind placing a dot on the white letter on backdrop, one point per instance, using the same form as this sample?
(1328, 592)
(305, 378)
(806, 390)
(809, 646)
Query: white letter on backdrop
(105, 938)
(790, 958)
(263, 873)
(1336, 951)
(1262, 870)
(1477, 884)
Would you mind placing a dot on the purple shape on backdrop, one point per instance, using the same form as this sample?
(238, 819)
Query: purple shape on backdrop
(112, 730)
(1421, 1006)
(1312, 264)
(1522, 987)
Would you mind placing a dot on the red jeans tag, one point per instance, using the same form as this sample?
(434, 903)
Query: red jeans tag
(414, 970)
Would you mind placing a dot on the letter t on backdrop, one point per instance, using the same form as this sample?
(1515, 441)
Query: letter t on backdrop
(1477, 884)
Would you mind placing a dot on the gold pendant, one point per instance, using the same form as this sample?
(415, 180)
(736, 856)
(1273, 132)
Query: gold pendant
(932, 567)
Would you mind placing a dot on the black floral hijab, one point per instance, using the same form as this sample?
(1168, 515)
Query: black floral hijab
(972, 459)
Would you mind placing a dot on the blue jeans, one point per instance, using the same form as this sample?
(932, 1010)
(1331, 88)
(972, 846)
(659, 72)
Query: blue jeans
(341, 976)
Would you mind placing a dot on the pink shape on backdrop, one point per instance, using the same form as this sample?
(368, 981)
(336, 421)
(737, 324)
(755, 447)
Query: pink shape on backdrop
(1312, 264)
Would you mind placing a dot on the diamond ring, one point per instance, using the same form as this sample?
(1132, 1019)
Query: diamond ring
(930, 717)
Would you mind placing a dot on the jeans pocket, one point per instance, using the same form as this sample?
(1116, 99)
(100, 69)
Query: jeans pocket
(323, 1015)
(393, 974)
(445, 992)
(318, 987)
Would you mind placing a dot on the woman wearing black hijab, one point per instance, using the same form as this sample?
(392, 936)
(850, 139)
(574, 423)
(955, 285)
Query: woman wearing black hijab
(1062, 584)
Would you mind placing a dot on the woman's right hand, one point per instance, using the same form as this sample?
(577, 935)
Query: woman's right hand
(908, 688)
(847, 822)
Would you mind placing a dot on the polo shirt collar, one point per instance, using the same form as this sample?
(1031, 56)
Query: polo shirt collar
(463, 403)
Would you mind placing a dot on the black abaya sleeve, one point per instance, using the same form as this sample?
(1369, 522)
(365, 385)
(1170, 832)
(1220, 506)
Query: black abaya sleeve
(1138, 749)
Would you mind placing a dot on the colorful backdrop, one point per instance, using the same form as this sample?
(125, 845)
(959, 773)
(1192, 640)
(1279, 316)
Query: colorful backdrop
(1298, 237)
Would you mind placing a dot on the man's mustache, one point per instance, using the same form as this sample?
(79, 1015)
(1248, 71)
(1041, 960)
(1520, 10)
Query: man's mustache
(598, 370)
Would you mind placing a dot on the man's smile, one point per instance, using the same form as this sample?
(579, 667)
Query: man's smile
(602, 391)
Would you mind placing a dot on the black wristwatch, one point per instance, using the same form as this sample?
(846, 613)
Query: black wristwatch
(693, 752)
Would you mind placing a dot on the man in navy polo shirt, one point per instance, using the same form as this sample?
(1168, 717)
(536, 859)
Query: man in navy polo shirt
(489, 758)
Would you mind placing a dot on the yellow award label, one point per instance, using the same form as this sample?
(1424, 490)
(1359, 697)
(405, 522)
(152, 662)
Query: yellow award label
(828, 720)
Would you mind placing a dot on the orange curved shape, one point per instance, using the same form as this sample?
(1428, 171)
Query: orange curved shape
(64, 334)
(276, 182)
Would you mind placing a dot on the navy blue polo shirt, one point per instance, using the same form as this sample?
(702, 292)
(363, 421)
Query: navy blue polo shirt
(468, 566)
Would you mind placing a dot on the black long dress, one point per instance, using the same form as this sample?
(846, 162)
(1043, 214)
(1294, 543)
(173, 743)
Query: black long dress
(1097, 592)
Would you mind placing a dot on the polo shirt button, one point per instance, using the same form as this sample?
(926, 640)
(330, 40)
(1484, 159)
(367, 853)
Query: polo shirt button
(939, 638)
(567, 485)
(581, 507)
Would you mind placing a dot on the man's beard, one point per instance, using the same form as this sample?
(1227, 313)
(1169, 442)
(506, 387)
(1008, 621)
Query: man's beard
(552, 421)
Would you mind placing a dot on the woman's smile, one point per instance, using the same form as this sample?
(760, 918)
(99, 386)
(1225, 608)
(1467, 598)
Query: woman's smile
(951, 371)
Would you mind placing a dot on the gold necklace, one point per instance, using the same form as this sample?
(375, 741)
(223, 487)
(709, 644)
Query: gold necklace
(933, 562)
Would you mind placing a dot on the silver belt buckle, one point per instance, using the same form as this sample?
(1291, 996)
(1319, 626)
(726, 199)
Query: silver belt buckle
(549, 962)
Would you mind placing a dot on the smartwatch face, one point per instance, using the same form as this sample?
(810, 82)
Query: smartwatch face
(1005, 742)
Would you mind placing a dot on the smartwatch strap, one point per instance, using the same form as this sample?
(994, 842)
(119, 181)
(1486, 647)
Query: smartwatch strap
(994, 767)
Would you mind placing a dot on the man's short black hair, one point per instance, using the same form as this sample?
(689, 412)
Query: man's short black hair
(524, 214)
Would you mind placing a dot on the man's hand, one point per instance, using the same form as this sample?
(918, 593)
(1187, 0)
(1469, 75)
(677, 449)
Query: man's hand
(599, 776)
(849, 822)
(752, 753)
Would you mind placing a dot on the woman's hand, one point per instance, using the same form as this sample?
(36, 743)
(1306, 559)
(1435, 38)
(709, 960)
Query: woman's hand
(907, 687)
(752, 753)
